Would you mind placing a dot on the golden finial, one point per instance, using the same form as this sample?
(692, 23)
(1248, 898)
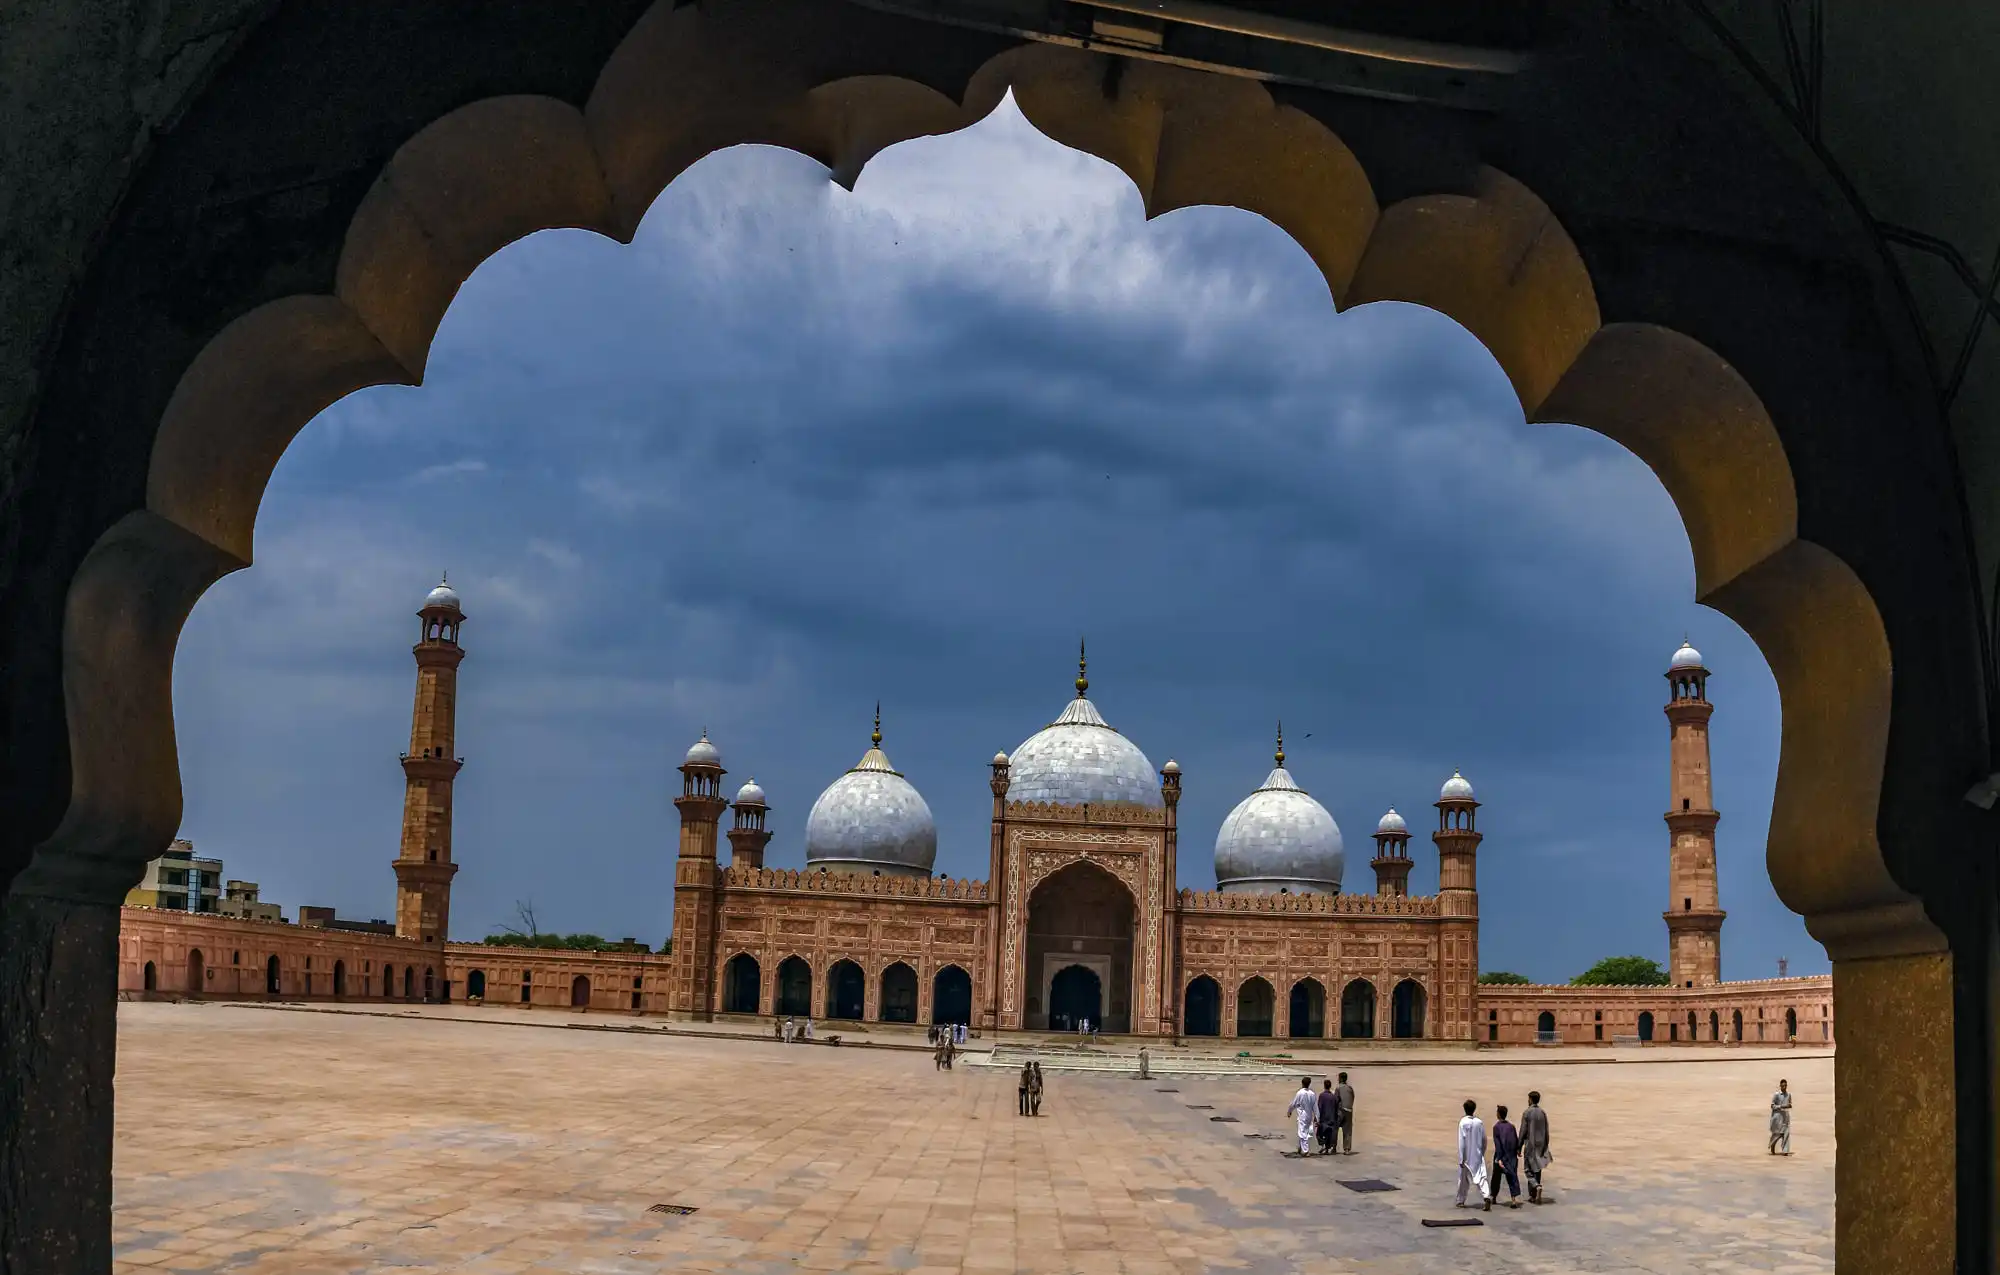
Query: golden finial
(876, 738)
(1281, 743)
(1082, 669)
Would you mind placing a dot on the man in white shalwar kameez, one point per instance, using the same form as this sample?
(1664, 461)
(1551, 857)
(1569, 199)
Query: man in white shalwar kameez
(1472, 1157)
(1305, 1108)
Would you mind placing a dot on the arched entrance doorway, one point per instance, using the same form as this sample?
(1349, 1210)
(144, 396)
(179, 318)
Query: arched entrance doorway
(1791, 1024)
(409, 982)
(1076, 998)
(579, 992)
(795, 982)
(430, 984)
(150, 977)
(1308, 1009)
(899, 994)
(1714, 1025)
(196, 972)
(1736, 1027)
(1256, 1007)
(1202, 1008)
(1545, 1027)
(1645, 1025)
(273, 976)
(388, 982)
(951, 996)
(340, 978)
(741, 980)
(475, 984)
(846, 990)
(1406, 1010)
(1080, 916)
(1357, 1009)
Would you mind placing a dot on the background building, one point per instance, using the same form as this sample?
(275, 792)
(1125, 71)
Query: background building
(178, 881)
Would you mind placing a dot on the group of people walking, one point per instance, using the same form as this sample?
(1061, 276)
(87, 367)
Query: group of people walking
(1514, 1150)
(1031, 1089)
(1329, 1113)
(945, 1040)
(791, 1031)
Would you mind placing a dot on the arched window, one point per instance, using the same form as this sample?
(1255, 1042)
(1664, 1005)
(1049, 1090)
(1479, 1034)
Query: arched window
(579, 992)
(1202, 1007)
(1646, 1025)
(846, 990)
(1256, 1005)
(1406, 1010)
(899, 994)
(1308, 1009)
(794, 987)
(151, 977)
(475, 984)
(1357, 1009)
(741, 983)
(951, 996)
(1545, 1027)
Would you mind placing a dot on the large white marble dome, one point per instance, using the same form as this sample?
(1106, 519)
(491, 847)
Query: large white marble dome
(872, 820)
(1278, 839)
(1079, 759)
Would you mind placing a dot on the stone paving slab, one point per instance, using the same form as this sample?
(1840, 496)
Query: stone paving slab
(278, 1142)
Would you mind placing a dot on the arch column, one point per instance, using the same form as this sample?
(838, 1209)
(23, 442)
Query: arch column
(1281, 1006)
(871, 993)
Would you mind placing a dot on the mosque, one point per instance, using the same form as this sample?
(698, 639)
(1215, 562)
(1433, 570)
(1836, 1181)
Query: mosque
(1080, 918)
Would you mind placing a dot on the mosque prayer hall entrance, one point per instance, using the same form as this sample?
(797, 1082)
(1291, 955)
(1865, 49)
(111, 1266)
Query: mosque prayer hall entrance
(1080, 926)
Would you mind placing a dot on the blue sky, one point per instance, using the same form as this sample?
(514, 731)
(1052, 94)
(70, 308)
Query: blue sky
(797, 449)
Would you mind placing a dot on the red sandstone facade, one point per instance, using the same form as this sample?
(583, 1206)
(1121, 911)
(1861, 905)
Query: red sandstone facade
(1072, 890)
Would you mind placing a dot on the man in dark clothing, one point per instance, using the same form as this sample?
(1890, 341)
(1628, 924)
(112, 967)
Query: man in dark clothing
(1329, 1117)
(1535, 1153)
(1506, 1153)
(1345, 1093)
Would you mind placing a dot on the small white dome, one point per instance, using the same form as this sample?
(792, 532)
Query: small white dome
(444, 597)
(871, 820)
(1686, 657)
(1171, 768)
(750, 795)
(1455, 789)
(1279, 838)
(999, 759)
(703, 753)
(1392, 822)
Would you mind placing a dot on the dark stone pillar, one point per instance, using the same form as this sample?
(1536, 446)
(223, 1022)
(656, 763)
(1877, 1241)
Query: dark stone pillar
(58, 1048)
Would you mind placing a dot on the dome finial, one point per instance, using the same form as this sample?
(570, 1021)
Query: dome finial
(1082, 670)
(1281, 743)
(876, 738)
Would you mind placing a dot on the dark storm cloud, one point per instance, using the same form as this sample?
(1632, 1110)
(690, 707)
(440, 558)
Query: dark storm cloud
(795, 449)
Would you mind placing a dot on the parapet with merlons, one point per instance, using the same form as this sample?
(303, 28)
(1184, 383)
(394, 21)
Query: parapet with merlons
(855, 884)
(1311, 904)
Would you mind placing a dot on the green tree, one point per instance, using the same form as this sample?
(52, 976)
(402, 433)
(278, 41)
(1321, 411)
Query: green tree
(1622, 971)
(1505, 976)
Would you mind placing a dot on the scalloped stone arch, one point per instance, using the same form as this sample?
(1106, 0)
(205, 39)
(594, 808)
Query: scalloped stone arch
(688, 81)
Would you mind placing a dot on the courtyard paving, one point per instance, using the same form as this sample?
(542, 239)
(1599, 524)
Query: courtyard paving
(261, 1140)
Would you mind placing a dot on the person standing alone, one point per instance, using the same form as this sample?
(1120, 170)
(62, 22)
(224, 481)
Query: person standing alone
(1035, 1090)
(1781, 1120)
(1472, 1157)
(1535, 1153)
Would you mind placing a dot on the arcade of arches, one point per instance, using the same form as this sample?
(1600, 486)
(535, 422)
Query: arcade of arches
(1757, 262)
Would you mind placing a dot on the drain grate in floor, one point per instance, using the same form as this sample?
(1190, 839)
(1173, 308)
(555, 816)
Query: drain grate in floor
(1224, 1120)
(678, 1210)
(1201, 1106)
(1370, 1184)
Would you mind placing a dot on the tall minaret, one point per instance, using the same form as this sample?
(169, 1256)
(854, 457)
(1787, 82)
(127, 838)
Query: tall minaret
(691, 992)
(1694, 907)
(749, 836)
(1392, 855)
(1457, 841)
(423, 864)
